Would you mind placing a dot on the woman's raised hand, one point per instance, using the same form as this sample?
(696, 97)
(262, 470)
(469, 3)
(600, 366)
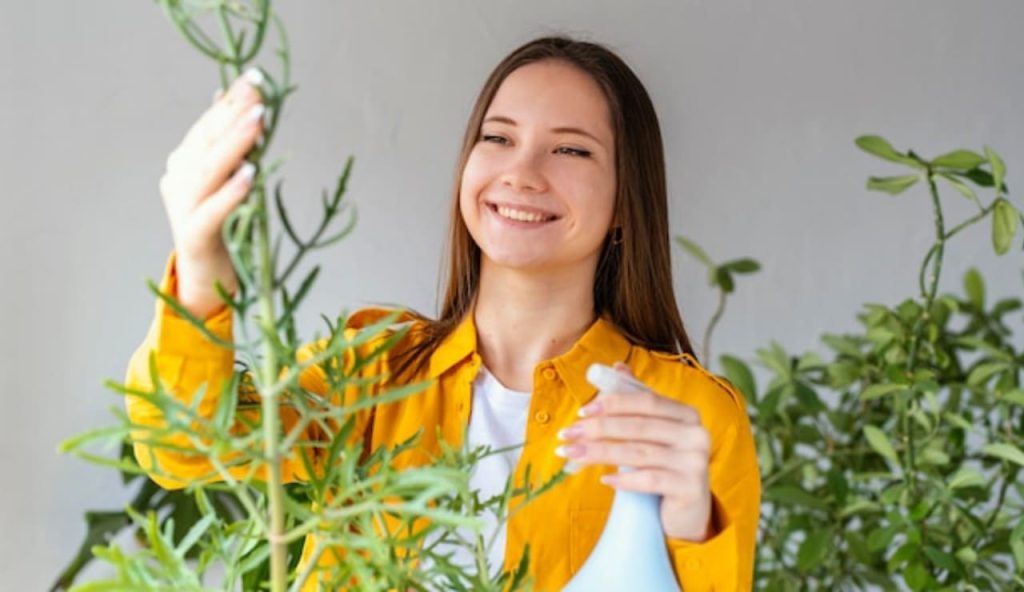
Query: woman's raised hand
(205, 179)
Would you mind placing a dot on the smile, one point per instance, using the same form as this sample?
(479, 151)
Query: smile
(520, 216)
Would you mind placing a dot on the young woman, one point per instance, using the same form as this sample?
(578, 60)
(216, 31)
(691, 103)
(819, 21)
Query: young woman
(559, 257)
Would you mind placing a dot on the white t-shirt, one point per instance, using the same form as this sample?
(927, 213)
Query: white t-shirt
(498, 419)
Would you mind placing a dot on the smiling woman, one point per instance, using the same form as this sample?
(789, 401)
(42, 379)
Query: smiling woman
(559, 258)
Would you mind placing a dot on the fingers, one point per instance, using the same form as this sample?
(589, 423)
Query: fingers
(218, 206)
(225, 155)
(635, 454)
(642, 403)
(665, 432)
(240, 96)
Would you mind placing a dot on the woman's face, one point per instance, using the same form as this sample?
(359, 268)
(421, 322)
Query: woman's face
(538, 189)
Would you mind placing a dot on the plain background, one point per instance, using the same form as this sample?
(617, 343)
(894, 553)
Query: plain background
(759, 103)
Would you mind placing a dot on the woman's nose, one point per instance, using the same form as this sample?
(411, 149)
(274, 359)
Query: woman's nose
(523, 172)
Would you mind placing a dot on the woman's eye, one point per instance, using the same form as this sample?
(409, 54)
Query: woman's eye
(486, 138)
(575, 151)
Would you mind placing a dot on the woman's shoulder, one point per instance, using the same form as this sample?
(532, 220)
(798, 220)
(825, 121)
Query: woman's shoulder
(682, 378)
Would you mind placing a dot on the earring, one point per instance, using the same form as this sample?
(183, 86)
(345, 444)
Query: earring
(617, 235)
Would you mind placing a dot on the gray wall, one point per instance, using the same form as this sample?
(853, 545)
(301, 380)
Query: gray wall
(759, 102)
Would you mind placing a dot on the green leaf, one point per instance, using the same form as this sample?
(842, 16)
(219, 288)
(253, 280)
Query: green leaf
(892, 185)
(881, 148)
(740, 375)
(974, 286)
(694, 250)
(1017, 545)
(1015, 397)
(966, 477)
(793, 495)
(961, 160)
(724, 279)
(880, 443)
(880, 390)
(916, 576)
(1004, 225)
(745, 265)
(813, 550)
(1005, 451)
(998, 169)
(982, 372)
(960, 186)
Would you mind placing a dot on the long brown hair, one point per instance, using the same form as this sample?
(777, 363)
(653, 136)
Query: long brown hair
(633, 282)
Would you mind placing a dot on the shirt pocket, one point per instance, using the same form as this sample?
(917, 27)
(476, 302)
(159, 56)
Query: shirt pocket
(585, 527)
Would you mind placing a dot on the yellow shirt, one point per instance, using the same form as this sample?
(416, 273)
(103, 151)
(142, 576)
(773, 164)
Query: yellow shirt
(562, 526)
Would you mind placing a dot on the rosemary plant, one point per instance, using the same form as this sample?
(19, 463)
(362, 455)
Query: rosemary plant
(248, 525)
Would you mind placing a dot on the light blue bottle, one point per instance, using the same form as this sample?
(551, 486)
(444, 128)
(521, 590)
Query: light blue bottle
(631, 553)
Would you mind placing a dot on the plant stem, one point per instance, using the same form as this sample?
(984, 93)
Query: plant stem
(711, 326)
(275, 485)
(270, 367)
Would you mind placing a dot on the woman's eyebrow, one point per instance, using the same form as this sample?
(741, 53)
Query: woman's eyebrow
(557, 130)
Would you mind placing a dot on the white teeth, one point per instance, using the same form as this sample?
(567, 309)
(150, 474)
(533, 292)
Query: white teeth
(520, 215)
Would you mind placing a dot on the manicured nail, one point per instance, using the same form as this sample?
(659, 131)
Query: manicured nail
(573, 431)
(217, 94)
(246, 172)
(253, 76)
(255, 113)
(609, 480)
(591, 409)
(570, 451)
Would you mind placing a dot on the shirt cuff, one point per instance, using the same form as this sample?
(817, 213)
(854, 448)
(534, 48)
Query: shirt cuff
(712, 564)
(175, 335)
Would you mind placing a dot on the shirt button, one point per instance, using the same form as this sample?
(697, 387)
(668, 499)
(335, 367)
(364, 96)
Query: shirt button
(549, 373)
(542, 417)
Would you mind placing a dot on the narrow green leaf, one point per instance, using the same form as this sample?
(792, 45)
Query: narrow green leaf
(961, 160)
(960, 186)
(880, 390)
(195, 533)
(880, 443)
(793, 495)
(965, 477)
(1005, 451)
(892, 185)
(1015, 397)
(1004, 225)
(745, 265)
(998, 169)
(974, 286)
(694, 250)
(982, 372)
(881, 148)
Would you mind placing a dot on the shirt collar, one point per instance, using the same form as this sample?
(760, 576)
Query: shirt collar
(601, 342)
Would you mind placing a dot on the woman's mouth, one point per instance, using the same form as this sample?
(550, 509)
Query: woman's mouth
(520, 217)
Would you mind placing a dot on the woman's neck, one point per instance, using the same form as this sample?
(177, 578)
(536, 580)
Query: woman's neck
(525, 318)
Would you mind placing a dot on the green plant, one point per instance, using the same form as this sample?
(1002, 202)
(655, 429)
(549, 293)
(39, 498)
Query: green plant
(251, 526)
(897, 461)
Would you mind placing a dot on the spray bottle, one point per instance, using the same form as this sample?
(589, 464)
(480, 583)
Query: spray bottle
(631, 553)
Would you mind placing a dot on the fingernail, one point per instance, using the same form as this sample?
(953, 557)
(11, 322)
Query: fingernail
(591, 409)
(570, 451)
(609, 479)
(573, 431)
(217, 94)
(253, 76)
(246, 172)
(255, 113)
